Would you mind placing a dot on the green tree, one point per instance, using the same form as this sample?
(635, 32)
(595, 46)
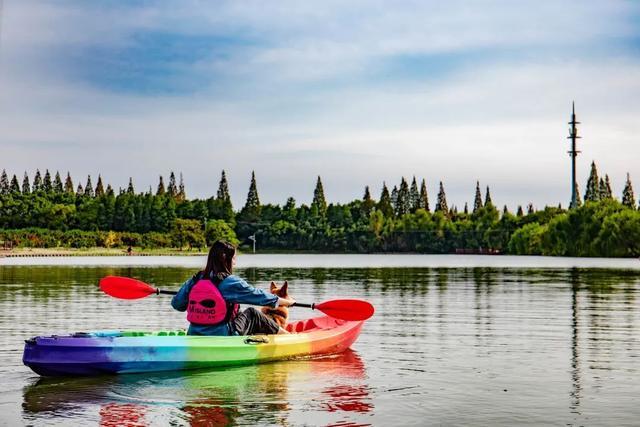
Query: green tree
(172, 188)
(394, 198)
(628, 198)
(80, 191)
(592, 193)
(384, 204)
(606, 188)
(4, 183)
(88, 188)
(161, 190)
(223, 189)
(187, 232)
(182, 195)
(414, 196)
(14, 187)
(367, 202)
(37, 182)
(578, 200)
(403, 202)
(68, 184)
(99, 187)
(487, 198)
(527, 240)
(47, 185)
(26, 187)
(218, 229)
(519, 212)
(423, 197)
(466, 208)
(252, 208)
(319, 202)
(477, 202)
(441, 206)
(130, 189)
(57, 184)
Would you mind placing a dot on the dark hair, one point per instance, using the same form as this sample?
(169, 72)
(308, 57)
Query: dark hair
(219, 261)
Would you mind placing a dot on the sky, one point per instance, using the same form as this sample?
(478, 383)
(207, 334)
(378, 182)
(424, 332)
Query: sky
(357, 92)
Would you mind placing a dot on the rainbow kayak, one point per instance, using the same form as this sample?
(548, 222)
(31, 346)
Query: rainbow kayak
(120, 352)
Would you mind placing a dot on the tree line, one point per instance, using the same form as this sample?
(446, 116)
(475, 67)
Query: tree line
(48, 211)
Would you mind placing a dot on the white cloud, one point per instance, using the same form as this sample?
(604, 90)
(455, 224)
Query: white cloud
(500, 120)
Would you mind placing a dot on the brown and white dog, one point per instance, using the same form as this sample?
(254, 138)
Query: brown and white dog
(279, 314)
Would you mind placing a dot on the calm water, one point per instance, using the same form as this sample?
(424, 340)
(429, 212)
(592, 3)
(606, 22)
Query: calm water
(483, 345)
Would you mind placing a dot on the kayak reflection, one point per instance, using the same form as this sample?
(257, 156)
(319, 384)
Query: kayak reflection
(271, 393)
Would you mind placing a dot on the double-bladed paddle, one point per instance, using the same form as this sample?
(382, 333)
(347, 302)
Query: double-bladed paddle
(128, 288)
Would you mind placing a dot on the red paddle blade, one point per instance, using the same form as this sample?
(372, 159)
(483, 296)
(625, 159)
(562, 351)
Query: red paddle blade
(125, 287)
(346, 309)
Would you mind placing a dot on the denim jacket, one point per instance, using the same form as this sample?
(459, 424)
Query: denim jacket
(234, 290)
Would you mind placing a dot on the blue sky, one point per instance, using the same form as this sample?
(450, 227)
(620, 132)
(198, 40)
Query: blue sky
(359, 92)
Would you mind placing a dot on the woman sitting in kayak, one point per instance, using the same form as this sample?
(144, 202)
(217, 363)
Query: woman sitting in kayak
(211, 299)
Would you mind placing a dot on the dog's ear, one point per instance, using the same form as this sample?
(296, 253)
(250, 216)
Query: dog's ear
(273, 287)
(283, 289)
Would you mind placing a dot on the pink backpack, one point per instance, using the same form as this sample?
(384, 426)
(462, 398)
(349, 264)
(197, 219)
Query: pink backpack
(206, 304)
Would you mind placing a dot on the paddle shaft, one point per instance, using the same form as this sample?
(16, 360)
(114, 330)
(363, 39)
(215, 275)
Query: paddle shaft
(298, 304)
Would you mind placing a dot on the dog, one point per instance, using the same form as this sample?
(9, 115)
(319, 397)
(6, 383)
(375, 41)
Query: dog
(280, 314)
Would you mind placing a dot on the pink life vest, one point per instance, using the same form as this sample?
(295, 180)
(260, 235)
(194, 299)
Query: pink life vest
(206, 304)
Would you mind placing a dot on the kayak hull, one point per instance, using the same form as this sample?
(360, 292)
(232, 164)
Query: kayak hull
(120, 352)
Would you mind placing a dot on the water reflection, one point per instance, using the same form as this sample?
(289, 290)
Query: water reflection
(255, 395)
(446, 346)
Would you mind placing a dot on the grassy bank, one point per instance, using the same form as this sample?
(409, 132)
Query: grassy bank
(136, 251)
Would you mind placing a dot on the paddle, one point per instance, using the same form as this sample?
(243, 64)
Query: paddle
(128, 288)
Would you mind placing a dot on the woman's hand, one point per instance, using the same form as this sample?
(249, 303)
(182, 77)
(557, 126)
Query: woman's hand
(286, 302)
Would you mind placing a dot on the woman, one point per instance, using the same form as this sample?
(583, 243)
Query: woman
(211, 299)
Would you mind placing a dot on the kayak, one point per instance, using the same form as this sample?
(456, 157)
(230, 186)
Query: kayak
(121, 352)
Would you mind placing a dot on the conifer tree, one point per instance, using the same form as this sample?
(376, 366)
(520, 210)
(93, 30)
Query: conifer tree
(88, 188)
(477, 201)
(223, 189)
(68, 184)
(252, 207)
(403, 203)
(99, 187)
(57, 184)
(319, 201)
(592, 194)
(578, 199)
(26, 187)
(182, 195)
(384, 204)
(4, 183)
(394, 198)
(530, 209)
(441, 206)
(519, 212)
(424, 197)
(466, 208)
(367, 202)
(607, 188)
(161, 191)
(487, 198)
(14, 187)
(172, 189)
(130, 189)
(80, 191)
(602, 189)
(628, 198)
(37, 182)
(505, 210)
(47, 186)
(414, 196)
(109, 192)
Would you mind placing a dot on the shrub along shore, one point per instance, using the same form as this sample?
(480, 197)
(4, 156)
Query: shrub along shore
(50, 213)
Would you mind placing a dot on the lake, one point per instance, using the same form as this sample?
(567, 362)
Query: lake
(456, 340)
